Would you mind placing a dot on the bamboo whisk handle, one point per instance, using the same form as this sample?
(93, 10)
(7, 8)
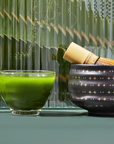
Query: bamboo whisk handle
(75, 54)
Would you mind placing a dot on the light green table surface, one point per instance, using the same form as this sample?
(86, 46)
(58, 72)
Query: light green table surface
(71, 127)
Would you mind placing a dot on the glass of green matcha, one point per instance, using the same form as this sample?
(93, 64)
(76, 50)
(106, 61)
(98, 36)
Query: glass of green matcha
(26, 91)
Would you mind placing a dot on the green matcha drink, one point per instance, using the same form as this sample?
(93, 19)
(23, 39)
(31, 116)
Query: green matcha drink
(26, 92)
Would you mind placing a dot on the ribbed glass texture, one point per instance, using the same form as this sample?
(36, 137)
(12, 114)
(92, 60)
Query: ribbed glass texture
(34, 35)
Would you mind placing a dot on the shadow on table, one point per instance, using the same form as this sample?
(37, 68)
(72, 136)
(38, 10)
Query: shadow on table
(63, 113)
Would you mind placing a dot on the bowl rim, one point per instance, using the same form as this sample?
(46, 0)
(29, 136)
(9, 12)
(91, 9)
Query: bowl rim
(90, 65)
(30, 73)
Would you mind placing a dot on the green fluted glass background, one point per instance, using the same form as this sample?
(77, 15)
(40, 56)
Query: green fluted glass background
(34, 34)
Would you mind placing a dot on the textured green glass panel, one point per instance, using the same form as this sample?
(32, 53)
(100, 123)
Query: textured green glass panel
(15, 35)
(7, 34)
(84, 25)
(77, 22)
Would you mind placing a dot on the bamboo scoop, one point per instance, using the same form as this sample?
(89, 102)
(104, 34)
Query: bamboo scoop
(75, 54)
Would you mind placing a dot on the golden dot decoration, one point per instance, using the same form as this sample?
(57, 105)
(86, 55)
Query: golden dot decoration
(91, 84)
(104, 71)
(83, 91)
(104, 99)
(99, 99)
(99, 71)
(94, 78)
(85, 84)
(75, 77)
(81, 84)
(90, 78)
(81, 98)
(98, 85)
(79, 77)
(101, 91)
(101, 105)
(94, 92)
(90, 92)
(104, 85)
(109, 92)
(84, 77)
(96, 105)
(108, 78)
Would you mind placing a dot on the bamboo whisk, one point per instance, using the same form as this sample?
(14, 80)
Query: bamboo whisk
(77, 55)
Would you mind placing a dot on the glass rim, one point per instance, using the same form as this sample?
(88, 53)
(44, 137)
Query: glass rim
(27, 72)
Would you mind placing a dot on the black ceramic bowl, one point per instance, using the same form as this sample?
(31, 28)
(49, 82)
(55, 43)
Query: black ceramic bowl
(91, 87)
